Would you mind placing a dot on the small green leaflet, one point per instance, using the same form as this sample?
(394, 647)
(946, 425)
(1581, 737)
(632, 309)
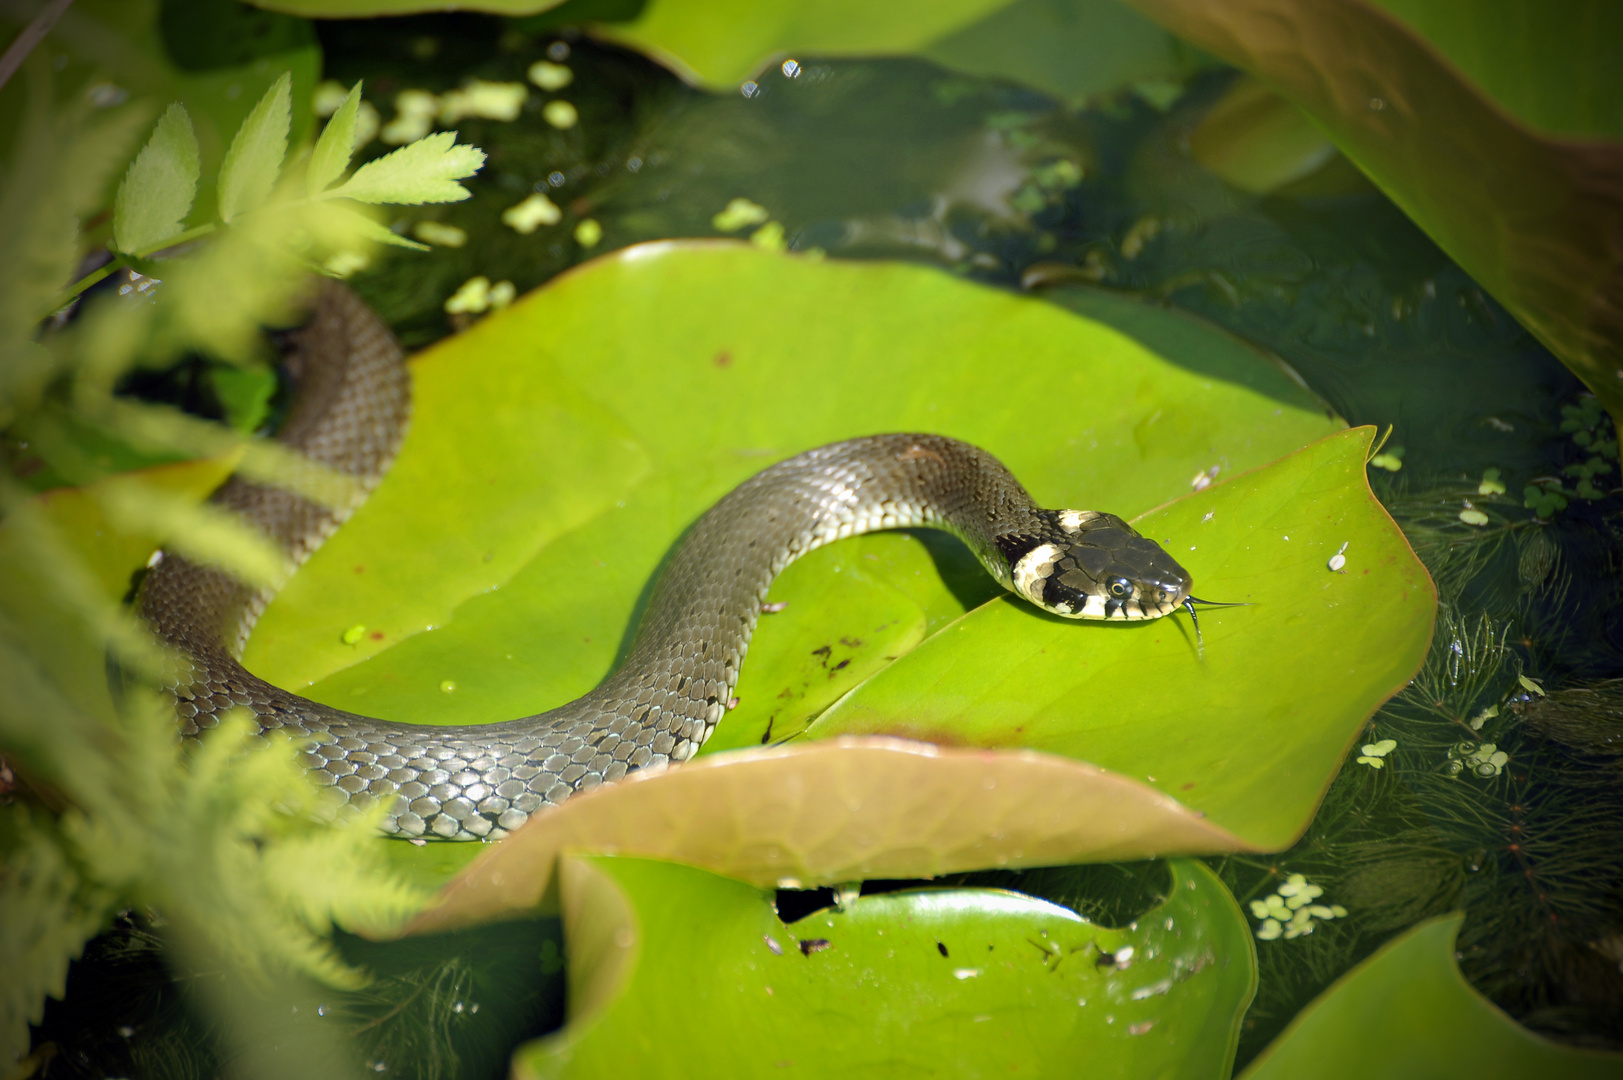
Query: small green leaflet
(157, 191)
(201, 531)
(368, 229)
(47, 913)
(337, 143)
(425, 171)
(250, 167)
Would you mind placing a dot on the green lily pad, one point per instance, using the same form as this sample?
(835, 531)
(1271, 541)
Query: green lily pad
(355, 9)
(718, 45)
(961, 980)
(1464, 115)
(1257, 140)
(1408, 1012)
(1073, 49)
(1252, 732)
(559, 448)
(1555, 70)
(497, 573)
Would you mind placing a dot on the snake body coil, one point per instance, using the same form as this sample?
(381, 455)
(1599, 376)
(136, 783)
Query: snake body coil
(481, 781)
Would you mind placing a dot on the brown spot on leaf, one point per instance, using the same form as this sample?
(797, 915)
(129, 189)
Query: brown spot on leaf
(918, 453)
(724, 359)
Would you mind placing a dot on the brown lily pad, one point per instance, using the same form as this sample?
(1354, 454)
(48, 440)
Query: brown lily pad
(840, 810)
(1535, 217)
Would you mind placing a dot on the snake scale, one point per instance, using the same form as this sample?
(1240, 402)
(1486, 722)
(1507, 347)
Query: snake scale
(481, 781)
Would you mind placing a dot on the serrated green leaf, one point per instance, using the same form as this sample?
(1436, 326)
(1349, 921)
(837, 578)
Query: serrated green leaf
(159, 187)
(250, 167)
(45, 920)
(201, 531)
(425, 171)
(58, 170)
(365, 228)
(332, 153)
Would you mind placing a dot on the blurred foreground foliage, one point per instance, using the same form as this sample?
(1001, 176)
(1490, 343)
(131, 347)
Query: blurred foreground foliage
(104, 811)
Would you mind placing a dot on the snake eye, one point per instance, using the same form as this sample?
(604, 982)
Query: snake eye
(1121, 588)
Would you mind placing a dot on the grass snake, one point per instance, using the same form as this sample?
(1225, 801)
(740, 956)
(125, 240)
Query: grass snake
(480, 781)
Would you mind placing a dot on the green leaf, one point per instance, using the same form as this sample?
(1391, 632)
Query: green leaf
(46, 916)
(59, 171)
(425, 171)
(251, 165)
(348, 225)
(528, 554)
(524, 542)
(1555, 69)
(337, 143)
(719, 44)
(1431, 101)
(343, 9)
(1407, 1012)
(1073, 49)
(1284, 685)
(955, 981)
(245, 394)
(204, 35)
(1257, 140)
(201, 531)
(159, 187)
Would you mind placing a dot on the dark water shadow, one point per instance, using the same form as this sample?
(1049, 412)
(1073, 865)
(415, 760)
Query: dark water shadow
(1106, 894)
(1190, 342)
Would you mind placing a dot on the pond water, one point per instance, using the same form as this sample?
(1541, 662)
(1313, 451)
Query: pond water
(900, 159)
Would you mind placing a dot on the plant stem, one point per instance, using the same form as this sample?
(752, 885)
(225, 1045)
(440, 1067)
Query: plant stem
(66, 296)
(32, 35)
(175, 241)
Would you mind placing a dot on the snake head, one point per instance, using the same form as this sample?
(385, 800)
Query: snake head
(1082, 564)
